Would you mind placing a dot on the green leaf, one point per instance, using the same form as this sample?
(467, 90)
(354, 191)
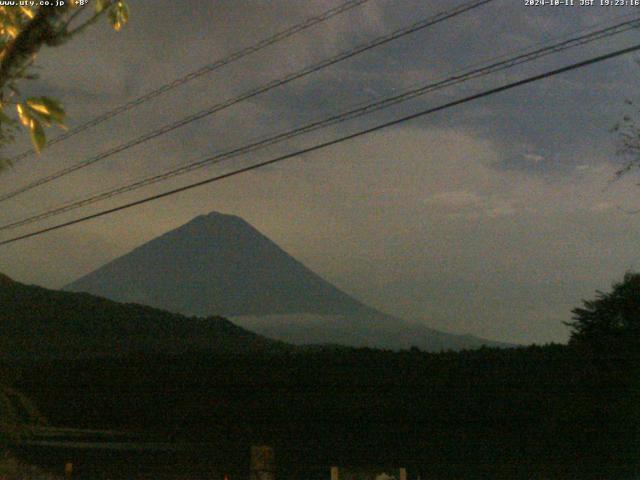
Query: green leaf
(56, 111)
(123, 11)
(102, 4)
(119, 15)
(23, 114)
(38, 137)
(47, 109)
(113, 19)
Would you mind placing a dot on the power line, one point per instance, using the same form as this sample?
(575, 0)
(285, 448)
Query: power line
(282, 35)
(440, 17)
(336, 141)
(338, 118)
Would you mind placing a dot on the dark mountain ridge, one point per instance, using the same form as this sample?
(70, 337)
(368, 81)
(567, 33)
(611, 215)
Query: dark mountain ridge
(219, 264)
(39, 323)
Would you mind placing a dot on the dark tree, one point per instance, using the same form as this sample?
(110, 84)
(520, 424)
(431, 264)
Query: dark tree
(24, 30)
(612, 318)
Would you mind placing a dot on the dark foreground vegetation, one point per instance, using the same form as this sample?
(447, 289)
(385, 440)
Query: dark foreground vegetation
(560, 411)
(557, 411)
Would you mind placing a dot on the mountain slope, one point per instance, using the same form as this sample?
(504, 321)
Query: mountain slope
(219, 264)
(39, 323)
(216, 264)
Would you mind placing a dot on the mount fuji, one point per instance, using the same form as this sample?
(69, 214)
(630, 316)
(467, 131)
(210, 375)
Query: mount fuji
(219, 264)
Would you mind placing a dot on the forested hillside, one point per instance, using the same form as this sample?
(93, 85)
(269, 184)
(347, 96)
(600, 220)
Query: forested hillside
(537, 412)
(36, 322)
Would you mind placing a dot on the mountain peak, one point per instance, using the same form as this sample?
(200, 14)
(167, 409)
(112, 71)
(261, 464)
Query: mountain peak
(216, 264)
(220, 216)
(220, 219)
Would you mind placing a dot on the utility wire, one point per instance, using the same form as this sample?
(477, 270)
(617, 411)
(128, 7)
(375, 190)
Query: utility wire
(339, 118)
(336, 141)
(422, 24)
(282, 35)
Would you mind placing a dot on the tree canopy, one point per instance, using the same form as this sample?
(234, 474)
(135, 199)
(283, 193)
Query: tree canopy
(611, 317)
(628, 133)
(23, 31)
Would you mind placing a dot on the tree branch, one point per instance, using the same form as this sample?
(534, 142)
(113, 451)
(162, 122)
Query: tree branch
(81, 27)
(38, 31)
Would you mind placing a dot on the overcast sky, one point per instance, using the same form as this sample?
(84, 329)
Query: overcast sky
(494, 218)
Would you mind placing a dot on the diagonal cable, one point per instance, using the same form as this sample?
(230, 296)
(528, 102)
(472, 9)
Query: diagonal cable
(309, 22)
(422, 24)
(338, 118)
(321, 146)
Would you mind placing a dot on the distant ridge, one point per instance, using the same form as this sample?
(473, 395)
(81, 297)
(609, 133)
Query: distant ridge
(219, 264)
(37, 323)
(5, 279)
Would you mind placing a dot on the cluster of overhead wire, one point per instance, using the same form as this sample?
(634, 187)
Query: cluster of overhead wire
(500, 63)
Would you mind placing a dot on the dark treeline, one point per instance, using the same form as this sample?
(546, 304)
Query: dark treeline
(558, 411)
(555, 411)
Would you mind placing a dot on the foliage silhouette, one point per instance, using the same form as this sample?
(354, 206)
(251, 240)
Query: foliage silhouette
(554, 411)
(24, 30)
(611, 320)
